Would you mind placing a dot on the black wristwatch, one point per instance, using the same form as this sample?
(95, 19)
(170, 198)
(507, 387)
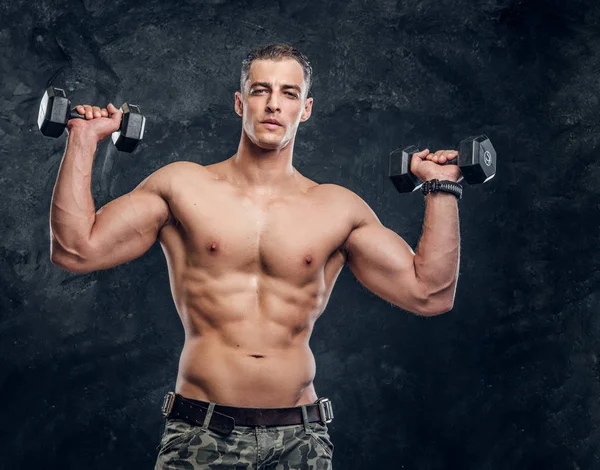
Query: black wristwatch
(445, 186)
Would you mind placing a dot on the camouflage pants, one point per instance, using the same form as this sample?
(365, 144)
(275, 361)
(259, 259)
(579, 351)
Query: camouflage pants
(296, 447)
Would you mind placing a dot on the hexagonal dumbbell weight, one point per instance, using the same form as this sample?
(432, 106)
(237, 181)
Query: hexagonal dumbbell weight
(55, 110)
(476, 160)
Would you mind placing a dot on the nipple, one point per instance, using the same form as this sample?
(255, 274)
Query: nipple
(308, 259)
(213, 246)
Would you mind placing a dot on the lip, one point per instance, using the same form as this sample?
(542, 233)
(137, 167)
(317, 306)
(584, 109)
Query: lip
(271, 122)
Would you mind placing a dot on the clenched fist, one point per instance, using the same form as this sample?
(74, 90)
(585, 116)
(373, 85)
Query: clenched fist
(100, 122)
(427, 166)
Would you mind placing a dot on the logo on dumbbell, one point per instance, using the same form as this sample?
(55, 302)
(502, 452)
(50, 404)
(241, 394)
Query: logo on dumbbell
(487, 158)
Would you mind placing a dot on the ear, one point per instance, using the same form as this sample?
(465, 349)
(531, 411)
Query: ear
(307, 110)
(239, 104)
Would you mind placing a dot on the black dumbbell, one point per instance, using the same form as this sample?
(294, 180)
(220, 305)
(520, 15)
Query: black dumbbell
(55, 111)
(476, 160)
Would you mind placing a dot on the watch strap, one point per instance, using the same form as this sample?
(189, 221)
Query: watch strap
(445, 186)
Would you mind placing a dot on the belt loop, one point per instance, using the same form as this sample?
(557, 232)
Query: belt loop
(307, 428)
(209, 412)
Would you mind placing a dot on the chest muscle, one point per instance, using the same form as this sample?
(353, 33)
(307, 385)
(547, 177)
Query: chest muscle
(290, 237)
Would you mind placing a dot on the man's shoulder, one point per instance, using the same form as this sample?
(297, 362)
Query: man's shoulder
(177, 170)
(165, 178)
(181, 168)
(339, 194)
(345, 201)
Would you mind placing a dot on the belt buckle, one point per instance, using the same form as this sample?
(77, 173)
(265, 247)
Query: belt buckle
(167, 405)
(325, 410)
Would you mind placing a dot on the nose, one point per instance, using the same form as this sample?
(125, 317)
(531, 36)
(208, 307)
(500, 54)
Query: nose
(273, 103)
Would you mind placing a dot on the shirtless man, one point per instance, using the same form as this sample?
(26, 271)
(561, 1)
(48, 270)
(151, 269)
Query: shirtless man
(253, 250)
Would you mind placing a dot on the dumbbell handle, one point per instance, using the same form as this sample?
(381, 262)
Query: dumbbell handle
(128, 144)
(476, 165)
(454, 161)
(75, 115)
(412, 149)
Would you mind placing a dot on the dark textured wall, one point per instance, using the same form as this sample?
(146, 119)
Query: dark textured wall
(508, 380)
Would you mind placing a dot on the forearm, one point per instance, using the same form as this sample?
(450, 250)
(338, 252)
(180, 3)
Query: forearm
(72, 212)
(438, 252)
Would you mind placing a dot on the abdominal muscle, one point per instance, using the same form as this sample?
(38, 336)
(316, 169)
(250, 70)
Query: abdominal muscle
(211, 371)
(245, 346)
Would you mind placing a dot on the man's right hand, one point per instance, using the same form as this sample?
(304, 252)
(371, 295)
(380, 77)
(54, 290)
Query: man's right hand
(99, 122)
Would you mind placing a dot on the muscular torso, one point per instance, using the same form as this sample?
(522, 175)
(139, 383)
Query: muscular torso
(250, 274)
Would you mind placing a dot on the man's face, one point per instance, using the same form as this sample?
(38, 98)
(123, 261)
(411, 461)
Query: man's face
(273, 103)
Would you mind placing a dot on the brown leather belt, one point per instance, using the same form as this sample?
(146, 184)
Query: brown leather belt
(224, 418)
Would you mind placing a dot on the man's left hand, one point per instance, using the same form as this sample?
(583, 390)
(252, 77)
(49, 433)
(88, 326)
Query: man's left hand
(427, 166)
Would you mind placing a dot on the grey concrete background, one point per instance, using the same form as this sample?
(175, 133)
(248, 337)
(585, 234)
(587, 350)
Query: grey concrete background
(508, 379)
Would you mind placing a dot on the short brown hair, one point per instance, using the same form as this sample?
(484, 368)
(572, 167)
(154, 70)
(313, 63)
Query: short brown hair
(276, 52)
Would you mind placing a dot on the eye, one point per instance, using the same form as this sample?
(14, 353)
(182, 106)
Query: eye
(293, 95)
(258, 91)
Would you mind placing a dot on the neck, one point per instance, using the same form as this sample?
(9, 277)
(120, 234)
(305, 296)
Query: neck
(264, 169)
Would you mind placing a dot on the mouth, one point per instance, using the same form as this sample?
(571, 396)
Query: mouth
(271, 123)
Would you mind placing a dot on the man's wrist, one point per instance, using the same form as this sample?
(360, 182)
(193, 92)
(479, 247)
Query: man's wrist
(82, 139)
(434, 176)
(82, 134)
